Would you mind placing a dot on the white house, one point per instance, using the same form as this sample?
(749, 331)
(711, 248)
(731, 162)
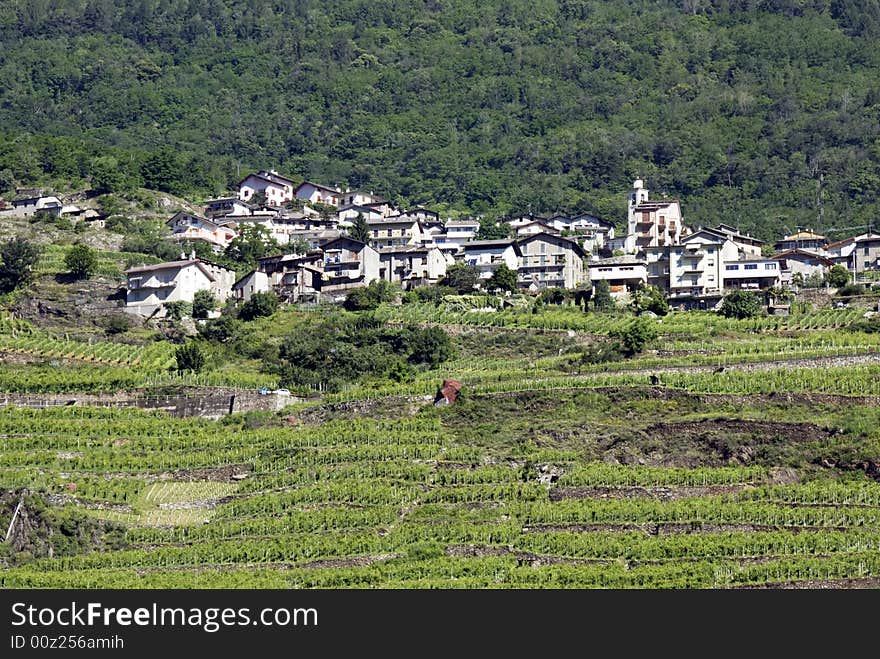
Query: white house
(866, 253)
(801, 262)
(487, 255)
(149, 287)
(752, 274)
(533, 228)
(651, 223)
(186, 228)
(461, 231)
(592, 232)
(348, 263)
(346, 215)
(623, 273)
(696, 265)
(223, 206)
(30, 206)
(746, 244)
(315, 193)
(276, 188)
(412, 265)
(808, 240)
(549, 261)
(395, 231)
(253, 282)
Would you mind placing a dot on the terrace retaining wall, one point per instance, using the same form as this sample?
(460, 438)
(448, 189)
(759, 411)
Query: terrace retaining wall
(211, 405)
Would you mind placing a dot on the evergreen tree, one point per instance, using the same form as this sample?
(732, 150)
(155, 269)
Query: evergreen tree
(360, 230)
(602, 299)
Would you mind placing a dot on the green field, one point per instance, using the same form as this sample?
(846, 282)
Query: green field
(547, 472)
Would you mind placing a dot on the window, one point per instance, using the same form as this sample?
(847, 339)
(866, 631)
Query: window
(711, 250)
(751, 266)
(866, 249)
(731, 267)
(710, 264)
(711, 277)
(769, 266)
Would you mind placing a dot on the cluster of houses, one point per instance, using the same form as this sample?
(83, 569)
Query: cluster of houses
(321, 261)
(29, 202)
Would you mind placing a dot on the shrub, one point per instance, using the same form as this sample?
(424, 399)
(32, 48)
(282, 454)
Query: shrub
(369, 298)
(851, 289)
(503, 278)
(866, 325)
(462, 277)
(204, 302)
(649, 298)
(837, 276)
(430, 346)
(600, 353)
(81, 260)
(220, 329)
(189, 358)
(553, 295)
(741, 304)
(17, 260)
(117, 324)
(178, 309)
(259, 305)
(635, 336)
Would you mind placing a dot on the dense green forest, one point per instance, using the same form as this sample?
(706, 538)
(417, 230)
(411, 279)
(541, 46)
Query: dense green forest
(761, 113)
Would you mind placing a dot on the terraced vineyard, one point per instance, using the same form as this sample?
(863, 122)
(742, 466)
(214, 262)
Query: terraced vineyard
(733, 454)
(556, 491)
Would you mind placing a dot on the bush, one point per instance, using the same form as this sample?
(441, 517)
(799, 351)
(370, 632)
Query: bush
(837, 276)
(219, 330)
(117, 324)
(600, 353)
(851, 289)
(432, 294)
(204, 302)
(17, 260)
(189, 358)
(553, 295)
(178, 309)
(430, 346)
(649, 298)
(741, 304)
(866, 325)
(258, 306)
(635, 336)
(462, 277)
(369, 298)
(81, 260)
(503, 278)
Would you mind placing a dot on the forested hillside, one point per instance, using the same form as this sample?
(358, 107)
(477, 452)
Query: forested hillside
(762, 113)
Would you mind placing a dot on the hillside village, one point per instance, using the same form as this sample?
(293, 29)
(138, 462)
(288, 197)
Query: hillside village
(321, 257)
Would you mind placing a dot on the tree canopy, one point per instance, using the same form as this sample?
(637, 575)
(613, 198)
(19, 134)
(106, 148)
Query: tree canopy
(765, 108)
